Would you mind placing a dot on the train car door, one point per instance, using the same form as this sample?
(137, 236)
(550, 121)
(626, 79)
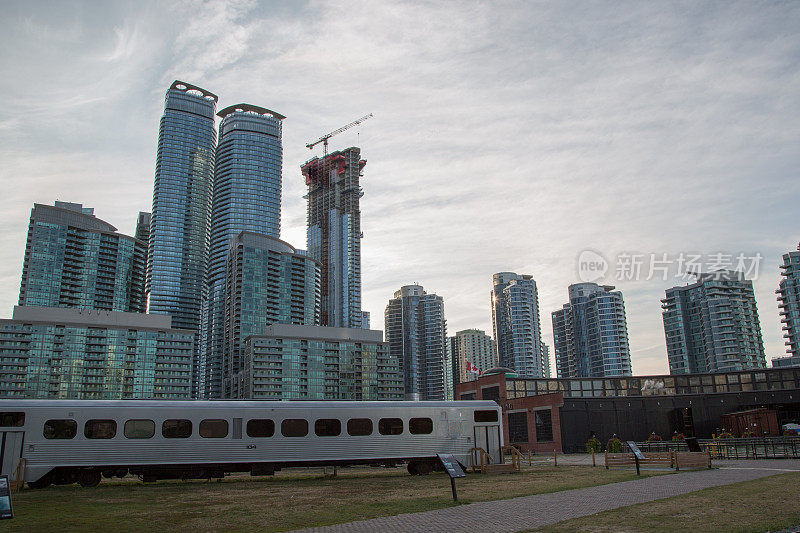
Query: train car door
(488, 438)
(10, 452)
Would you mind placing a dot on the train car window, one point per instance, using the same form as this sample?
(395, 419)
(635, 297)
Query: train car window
(213, 429)
(60, 429)
(420, 426)
(260, 428)
(390, 426)
(140, 429)
(100, 429)
(12, 420)
(327, 427)
(485, 416)
(359, 427)
(294, 427)
(176, 429)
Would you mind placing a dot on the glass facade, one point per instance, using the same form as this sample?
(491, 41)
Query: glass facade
(316, 363)
(590, 333)
(92, 355)
(268, 283)
(73, 259)
(179, 226)
(515, 318)
(712, 325)
(789, 302)
(246, 197)
(334, 233)
(416, 332)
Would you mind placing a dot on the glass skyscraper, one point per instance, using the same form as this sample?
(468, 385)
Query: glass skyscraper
(789, 303)
(475, 347)
(515, 318)
(180, 221)
(267, 283)
(416, 331)
(334, 233)
(74, 259)
(246, 197)
(590, 333)
(712, 325)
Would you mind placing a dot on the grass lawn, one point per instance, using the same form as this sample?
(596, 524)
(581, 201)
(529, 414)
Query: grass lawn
(292, 499)
(767, 504)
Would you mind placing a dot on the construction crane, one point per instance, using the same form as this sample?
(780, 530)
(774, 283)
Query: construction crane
(324, 138)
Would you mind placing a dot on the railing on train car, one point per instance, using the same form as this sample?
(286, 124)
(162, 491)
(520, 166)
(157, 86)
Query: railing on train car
(741, 448)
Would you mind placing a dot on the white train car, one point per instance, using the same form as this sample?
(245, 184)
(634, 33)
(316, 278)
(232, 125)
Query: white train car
(66, 441)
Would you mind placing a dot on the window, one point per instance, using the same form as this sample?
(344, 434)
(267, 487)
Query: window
(359, 426)
(544, 426)
(60, 429)
(490, 393)
(260, 428)
(12, 420)
(176, 429)
(518, 427)
(327, 427)
(140, 429)
(100, 429)
(294, 427)
(390, 426)
(485, 416)
(213, 428)
(420, 426)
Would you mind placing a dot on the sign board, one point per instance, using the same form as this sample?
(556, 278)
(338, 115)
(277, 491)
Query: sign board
(635, 449)
(5, 499)
(693, 445)
(450, 464)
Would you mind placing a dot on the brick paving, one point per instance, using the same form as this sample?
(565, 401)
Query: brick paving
(529, 512)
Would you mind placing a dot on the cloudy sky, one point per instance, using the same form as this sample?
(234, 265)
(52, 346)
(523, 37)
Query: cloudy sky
(507, 135)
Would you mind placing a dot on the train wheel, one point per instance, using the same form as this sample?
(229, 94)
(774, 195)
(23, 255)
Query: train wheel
(413, 468)
(424, 468)
(89, 478)
(43, 482)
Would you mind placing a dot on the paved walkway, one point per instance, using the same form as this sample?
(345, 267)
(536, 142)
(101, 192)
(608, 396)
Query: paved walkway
(529, 512)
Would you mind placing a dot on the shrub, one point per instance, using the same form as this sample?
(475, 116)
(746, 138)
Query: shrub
(614, 445)
(725, 435)
(654, 438)
(678, 436)
(593, 445)
(790, 433)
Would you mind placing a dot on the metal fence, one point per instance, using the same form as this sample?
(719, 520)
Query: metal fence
(746, 448)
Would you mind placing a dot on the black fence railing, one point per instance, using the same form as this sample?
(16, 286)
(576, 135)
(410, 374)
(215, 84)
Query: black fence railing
(745, 448)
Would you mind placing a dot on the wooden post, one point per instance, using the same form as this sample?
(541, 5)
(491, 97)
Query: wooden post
(593, 463)
(555, 461)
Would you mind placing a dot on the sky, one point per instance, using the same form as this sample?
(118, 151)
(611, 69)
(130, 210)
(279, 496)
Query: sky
(507, 136)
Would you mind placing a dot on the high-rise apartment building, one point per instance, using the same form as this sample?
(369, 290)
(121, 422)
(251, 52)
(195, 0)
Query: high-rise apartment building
(56, 353)
(546, 359)
(789, 302)
(473, 351)
(712, 325)
(74, 259)
(334, 233)
(416, 331)
(292, 362)
(246, 197)
(590, 333)
(180, 222)
(515, 318)
(268, 283)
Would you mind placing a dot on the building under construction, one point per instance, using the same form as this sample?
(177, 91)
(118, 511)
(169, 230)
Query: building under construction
(334, 234)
